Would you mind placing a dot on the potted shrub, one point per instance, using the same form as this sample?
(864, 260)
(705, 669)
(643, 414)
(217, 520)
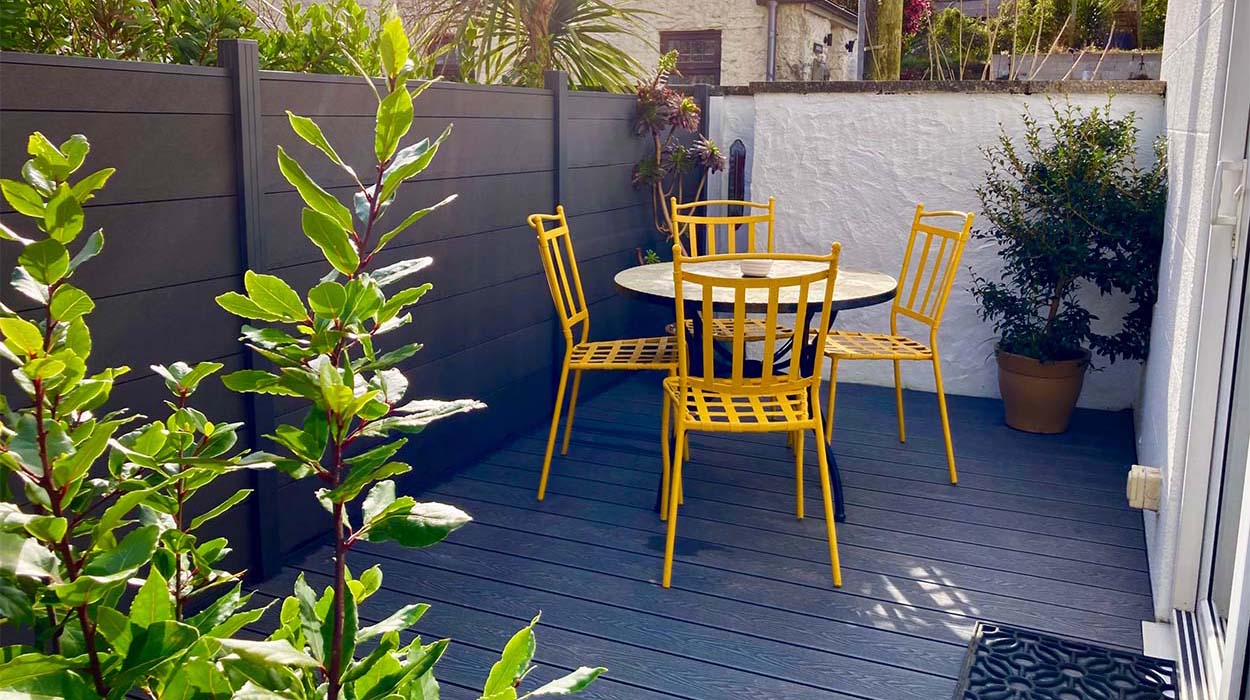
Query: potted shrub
(1072, 214)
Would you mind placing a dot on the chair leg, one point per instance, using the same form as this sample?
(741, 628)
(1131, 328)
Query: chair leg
(946, 424)
(798, 472)
(833, 388)
(568, 426)
(671, 537)
(830, 527)
(898, 402)
(666, 456)
(555, 425)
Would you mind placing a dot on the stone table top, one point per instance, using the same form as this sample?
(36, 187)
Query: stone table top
(853, 289)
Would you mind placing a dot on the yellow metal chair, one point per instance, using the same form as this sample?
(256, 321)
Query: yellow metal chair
(929, 268)
(748, 395)
(555, 245)
(741, 233)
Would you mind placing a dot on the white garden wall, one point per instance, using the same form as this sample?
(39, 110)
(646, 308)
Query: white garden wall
(851, 166)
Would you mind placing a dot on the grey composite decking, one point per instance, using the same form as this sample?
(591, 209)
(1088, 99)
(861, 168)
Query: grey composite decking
(1036, 535)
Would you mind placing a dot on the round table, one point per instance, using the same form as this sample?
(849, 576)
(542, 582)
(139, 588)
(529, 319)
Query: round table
(853, 289)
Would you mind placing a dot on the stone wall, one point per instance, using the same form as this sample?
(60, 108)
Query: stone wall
(851, 166)
(744, 37)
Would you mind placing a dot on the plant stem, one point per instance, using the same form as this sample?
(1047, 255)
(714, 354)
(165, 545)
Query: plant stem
(340, 583)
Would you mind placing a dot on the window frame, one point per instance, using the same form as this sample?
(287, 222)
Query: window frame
(698, 67)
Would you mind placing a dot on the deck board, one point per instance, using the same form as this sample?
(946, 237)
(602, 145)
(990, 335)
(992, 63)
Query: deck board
(1036, 535)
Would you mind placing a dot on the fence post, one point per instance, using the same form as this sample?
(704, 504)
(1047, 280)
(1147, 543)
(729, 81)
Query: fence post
(240, 57)
(557, 81)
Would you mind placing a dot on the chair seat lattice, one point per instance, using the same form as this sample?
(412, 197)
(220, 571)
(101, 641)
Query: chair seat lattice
(850, 345)
(741, 412)
(630, 353)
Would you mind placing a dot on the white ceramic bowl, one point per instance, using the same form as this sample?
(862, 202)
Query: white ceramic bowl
(755, 268)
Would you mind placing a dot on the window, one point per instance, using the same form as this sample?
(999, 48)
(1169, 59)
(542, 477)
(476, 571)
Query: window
(698, 55)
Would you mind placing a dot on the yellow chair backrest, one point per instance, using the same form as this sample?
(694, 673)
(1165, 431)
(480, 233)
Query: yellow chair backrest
(555, 246)
(930, 265)
(690, 224)
(764, 294)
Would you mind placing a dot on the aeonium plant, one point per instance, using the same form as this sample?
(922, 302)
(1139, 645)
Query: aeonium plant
(326, 348)
(666, 116)
(100, 559)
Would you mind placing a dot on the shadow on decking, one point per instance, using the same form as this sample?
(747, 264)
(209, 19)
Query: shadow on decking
(1036, 535)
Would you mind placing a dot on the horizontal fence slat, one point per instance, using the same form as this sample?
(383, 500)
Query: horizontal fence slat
(157, 156)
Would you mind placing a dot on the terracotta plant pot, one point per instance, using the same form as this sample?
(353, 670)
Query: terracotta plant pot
(1038, 397)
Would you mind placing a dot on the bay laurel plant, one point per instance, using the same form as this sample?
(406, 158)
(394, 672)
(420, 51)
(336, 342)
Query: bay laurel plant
(326, 349)
(100, 560)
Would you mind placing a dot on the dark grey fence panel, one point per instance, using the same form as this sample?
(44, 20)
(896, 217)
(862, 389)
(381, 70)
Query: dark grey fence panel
(169, 216)
(178, 234)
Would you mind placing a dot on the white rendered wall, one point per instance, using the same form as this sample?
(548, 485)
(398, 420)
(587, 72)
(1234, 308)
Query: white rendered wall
(852, 166)
(1193, 50)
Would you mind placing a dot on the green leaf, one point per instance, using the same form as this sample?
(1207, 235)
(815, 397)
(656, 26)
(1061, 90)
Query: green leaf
(269, 653)
(412, 219)
(85, 188)
(219, 610)
(393, 45)
(380, 497)
(398, 621)
(75, 150)
(308, 130)
(415, 415)
(197, 679)
(513, 663)
(316, 198)
(332, 239)
(397, 271)
(410, 162)
(133, 551)
(50, 159)
(310, 622)
(21, 556)
(421, 525)
(63, 217)
(27, 667)
(218, 509)
(571, 684)
(275, 296)
(22, 336)
(181, 377)
(393, 357)
(154, 645)
(153, 602)
(360, 477)
(90, 249)
(256, 381)
(47, 261)
(394, 119)
(244, 307)
(326, 299)
(8, 234)
(23, 198)
(70, 302)
(74, 466)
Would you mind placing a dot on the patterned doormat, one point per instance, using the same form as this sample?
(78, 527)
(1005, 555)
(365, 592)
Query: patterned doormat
(1013, 664)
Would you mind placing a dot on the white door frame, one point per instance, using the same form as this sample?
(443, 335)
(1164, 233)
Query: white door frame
(1221, 301)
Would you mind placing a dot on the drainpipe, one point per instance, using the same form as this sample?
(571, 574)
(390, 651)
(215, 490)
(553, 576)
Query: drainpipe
(770, 71)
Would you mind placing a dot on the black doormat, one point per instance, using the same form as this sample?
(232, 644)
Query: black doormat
(1013, 664)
